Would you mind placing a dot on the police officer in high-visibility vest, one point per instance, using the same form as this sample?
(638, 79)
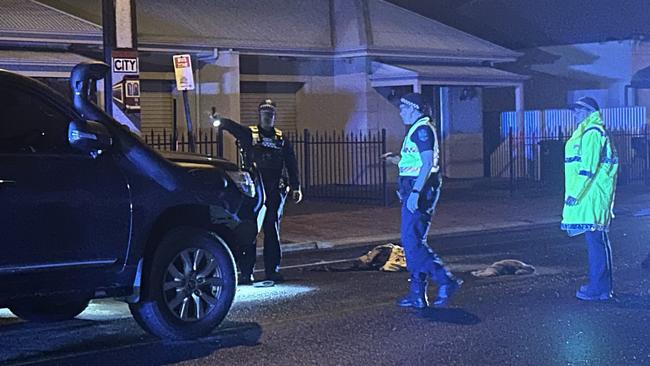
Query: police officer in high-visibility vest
(276, 160)
(419, 188)
(590, 169)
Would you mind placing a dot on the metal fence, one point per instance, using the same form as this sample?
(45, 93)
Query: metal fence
(334, 165)
(208, 142)
(549, 121)
(343, 167)
(540, 159)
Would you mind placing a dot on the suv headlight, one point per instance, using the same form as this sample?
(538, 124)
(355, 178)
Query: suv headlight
(243, 181)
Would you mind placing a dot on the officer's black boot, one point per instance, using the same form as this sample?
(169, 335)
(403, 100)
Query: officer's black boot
(246, 279)
(448, 284)
(417, 297)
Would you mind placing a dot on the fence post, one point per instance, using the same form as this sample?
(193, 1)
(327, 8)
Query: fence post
(307, 157)
(512, 166)
(647, 156)
(174, 142)
(220, 142)
(384, 176)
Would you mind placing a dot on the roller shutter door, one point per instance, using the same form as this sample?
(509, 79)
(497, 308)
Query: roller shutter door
(286, 115)
(156, 108)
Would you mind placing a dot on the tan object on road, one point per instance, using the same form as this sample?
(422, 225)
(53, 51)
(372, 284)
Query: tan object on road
(505, 267)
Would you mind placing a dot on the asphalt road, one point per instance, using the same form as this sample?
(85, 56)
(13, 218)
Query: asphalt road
(322, 317)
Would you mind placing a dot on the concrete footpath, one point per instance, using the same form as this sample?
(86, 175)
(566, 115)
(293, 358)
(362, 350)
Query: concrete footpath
(464, 207)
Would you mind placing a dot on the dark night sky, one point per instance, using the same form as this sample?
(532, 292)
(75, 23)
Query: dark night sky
(518, 24)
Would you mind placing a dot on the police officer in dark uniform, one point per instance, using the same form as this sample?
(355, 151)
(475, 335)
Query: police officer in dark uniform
(276, 161)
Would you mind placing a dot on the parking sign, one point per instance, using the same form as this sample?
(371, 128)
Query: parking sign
(183, 72)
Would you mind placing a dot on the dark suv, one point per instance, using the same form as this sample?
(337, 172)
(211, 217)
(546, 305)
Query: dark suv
(89, 211)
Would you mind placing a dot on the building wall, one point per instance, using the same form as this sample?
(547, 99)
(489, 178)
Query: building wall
(339, 97)
(641, 60)
(320, 107)
(462, 133)
(384, 114)
(218, 86)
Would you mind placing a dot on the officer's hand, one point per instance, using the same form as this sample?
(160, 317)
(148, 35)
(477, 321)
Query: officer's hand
(390, 157)
(412, 202)
(297, 195)
(571, 201)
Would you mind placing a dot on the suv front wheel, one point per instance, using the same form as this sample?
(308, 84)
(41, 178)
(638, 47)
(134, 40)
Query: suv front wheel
(190, 285)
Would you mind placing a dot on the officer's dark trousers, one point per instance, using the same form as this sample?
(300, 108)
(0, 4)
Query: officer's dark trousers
(421, 260)
(271, 226)
(275, 200)
(599, 253)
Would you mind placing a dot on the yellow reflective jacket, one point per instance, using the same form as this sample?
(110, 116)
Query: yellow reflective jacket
(590, 168)
(411, 162)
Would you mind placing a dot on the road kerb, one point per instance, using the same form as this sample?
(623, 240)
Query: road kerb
(351, 242)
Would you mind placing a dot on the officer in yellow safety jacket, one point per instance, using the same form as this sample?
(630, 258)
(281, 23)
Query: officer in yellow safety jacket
(420, 181)
(276, 161)
(590, 168)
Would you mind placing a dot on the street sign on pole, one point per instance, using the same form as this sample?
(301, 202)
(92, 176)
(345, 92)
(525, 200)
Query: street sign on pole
(183, 72)
(120, 42)
(185, 82)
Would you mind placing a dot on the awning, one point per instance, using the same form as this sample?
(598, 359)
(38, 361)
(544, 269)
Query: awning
(385, 74)
(43, 64)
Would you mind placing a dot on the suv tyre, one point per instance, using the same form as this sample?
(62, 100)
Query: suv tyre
(189, 287)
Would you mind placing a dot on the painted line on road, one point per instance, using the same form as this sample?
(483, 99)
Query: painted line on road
(313, 264)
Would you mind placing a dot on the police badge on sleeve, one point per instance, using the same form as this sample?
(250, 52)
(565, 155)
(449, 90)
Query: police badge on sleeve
(423, 135)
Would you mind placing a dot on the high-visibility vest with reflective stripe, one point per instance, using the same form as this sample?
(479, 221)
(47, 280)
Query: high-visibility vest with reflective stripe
(590, 169)
(410, 163)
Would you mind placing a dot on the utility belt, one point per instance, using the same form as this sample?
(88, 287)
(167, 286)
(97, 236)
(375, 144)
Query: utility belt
(429, 193)
(272, 182)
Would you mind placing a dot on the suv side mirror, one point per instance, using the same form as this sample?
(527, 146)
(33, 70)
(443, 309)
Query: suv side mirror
(89, 136)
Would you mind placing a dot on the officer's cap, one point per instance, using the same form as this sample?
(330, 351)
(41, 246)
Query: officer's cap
(586, 103)
(267, 105)
(414, 100)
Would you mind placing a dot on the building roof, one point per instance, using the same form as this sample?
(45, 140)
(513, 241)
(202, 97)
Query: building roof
(40, 58)
(298, 27)
(397, 29)
(28, 19)
(40, 63)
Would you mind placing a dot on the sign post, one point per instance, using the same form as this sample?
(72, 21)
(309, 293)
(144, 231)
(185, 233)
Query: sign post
(185, 82)
(122, 84)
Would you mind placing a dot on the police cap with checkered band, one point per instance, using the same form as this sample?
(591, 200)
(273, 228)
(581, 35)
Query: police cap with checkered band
(267, 105)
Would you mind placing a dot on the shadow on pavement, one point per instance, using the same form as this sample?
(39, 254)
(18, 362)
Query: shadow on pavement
(453, 316)
(143, 350)
(632, 301)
